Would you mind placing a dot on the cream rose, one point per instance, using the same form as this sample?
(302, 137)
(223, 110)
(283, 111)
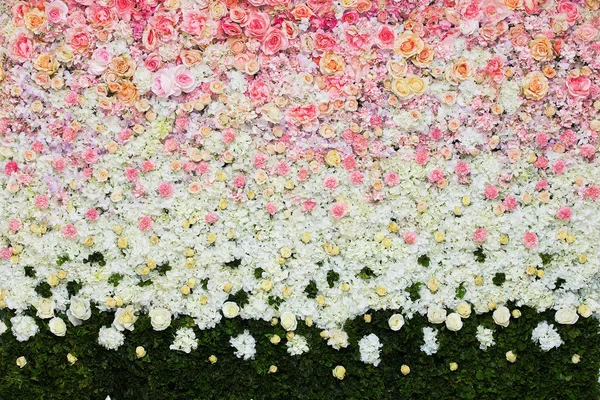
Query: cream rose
(339, 372)
(288, 321)
(566, 316)
(230, 309)
(160, 318)
(396, 322)
(45, 308)
(58, 326)
(124, 319)
(502, 316)
(454, 322)
(463, 309)
(436, 315)
(79, 310)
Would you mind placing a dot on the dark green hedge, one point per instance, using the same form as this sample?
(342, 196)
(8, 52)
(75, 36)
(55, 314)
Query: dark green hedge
(166, 374)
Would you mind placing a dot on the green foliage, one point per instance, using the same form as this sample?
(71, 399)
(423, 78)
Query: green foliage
(258, 273)
(311, 290)
(479, 255)
(461, 291)
(163, 268)
(73, 288)
(114, 279)
(62, 259)
(424, 260)
(43, 289)
(332, 277)
(240, 297)
(29, 271)
(546, 259)
(170, 375)
(234, 264)
(413, 291)
(499, 278)
(95, 258)
(366, 273)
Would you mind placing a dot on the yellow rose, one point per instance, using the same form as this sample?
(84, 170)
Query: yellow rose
(401, 89)
(541, 48)
(416, 85)
(339, 372)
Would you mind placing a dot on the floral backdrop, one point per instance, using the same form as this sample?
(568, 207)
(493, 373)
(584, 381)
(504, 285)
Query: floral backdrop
(300, 162)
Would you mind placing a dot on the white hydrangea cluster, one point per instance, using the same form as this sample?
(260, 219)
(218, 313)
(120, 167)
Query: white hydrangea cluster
(369, 349)
(23, 327)
(185, 340)
(244, 344)
(111, 338)
(297, 345)
(431, 344)
(546, 336)
(485, 337)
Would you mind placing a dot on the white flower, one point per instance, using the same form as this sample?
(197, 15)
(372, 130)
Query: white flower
(547, 336)
(485, 337)
(297, 345)
(23, 327)
(3, 327)
(185, 340)
(57, 326)
(230, 309)
(454, 322)
(436, 315)
(160, 318)
(79, 310)
(501, 316)
(125, 318)
(110, 338)
(288, 321)
(396, 322)
(45, 308)
(431, 344)
(338, 339)
(566, 316)
(244, 344)
(369, 349)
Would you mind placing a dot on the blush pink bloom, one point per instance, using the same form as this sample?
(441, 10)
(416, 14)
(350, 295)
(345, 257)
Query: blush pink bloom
(587, 151)
(308, 205)
(491, 192)
(579, 87)
(90, 156)
(165, 189)
(330, 182)
(564, 213)
(436, 176)
(211, 217)
(592, 192)
(147, 166)
(257, 25)
(21, 48)
(339, 209)
(480, 235)
(14, 225)
(228, 135)
(510, 203)
(92, 214)
(184, 79)
(385, 37)
(56, 12)
(356, 178)
(391, 179)
(462, 168)
(409, 237)
(69, 231)
(145, 223)
(239, 181)
(164, 84)
(422, 156)
(530, 240)
(6, 253)
(41, 201)
(271, 208)
(131, 174)
(274, 42)
(10, 168)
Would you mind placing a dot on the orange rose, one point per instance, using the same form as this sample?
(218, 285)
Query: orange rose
(45, 62)
(408, 44)
(514, 4)
(331, 64)
(301, 12)
(460, 71)
(127, 93)
(35, 20)
(541, 48)
(189, 58)
(535, 85)
(424, 58)
(123, 66)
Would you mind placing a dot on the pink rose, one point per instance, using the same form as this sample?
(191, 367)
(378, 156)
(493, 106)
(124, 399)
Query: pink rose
(257, 25)
(586, 32)
(274, 41)
(21, 47)
(184, 79)
(56, 12)
(579, 87)
(304, 114)
(153, 62)
(99, 61)
(230, 28)
(409, 237)
(149, 38)
(480, 235)
(570, 11)
(564, 213)
(385, 37)
(165, 84)
(165, 190)
(69, 231)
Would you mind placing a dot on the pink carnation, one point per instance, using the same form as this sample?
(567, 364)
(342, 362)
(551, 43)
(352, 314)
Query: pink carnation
(145, 223)
(165, 189)
(491, 192)
(564, 213)
(69, 231)
(409, 237)
(339, 209)
(480, 235)
(530, 240)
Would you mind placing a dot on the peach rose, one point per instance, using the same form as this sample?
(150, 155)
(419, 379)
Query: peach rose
(535, 85)
(408, 44)
(401, 89)
(331, 64)
(35, 20)
(46, 62)
(460, 71)
(586, 32)
(541, 48)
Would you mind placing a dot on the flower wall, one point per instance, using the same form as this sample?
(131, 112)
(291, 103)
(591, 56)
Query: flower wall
(302, 164)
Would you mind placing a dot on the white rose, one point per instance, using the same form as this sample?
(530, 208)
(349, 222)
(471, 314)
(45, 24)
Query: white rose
(79, 310)
(338, 339)
(463, 309)
(125, 318)
(160, 318)
(230, 309)
(454, 322)
(45, 308)
(566, 316)
(502, 316)
(436, 315)
(396, 322)
(288, 321)
(58, 326)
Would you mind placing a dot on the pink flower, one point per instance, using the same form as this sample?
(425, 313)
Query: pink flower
(257, 25)
(21, 47)
(356, 178)
(480, 235)
(339, 209)
(274, 41)
(559, 167)
(385, 37)
(69, 231)
(592, 192)
(131, 174)
(183, 79)
(564, 213)
(409, 237)
(10, 168)
(283, 169)
(462, 168)
(587, 151)
(145, 223)
(271, 208)
(239, 181)
(510, 203)
(308, 205)
(530, 240)
(228, 135)
(302, 174)
(422, 156)
(41, 201)
(436, 176)
(579, 87)
(211, 217)
(6, 253)
(99, 61)
(14, 225)
(304, 114)
(165, 189)
(491, 192)
(541, 139)
(165, 84)
(90, 156)
(56, 12)
(330, 182)
(349, 163)
(92, 214)
(391, 179)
